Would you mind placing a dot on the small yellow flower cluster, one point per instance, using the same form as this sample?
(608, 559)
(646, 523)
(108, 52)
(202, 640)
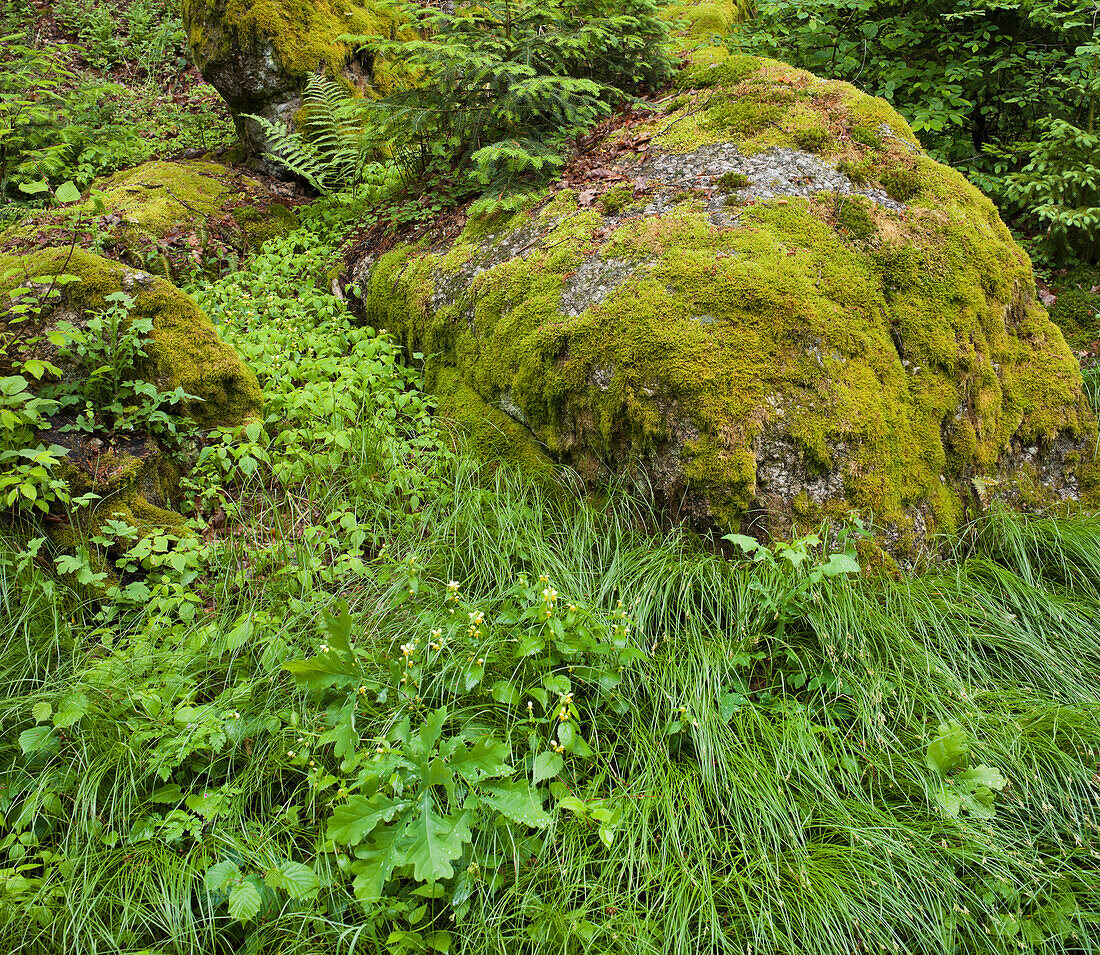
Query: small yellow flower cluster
(566, 706)
(452, 591)
(621, 625)
(410, 562)
(477, 618)
(549, 598)
(436, 642)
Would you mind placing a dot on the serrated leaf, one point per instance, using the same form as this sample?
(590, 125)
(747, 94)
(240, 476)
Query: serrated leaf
(431, 728)
(949, 801)
(566, 735)
(344, 736)
(505, 692)
(547, 766)
(729, 705)
(299, 881)
(574, 805)
(839, 564)
(169, 795)
(67, 192)
(41, 711)
(979, 803)
(244, 901)
(219, 874)
(37, 739)
(472, 675)
(517, 800)
(352, 822)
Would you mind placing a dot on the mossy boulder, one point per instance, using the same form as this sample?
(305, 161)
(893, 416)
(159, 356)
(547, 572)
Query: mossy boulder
(183, 349)
(168, 217)
(258, 54)
(129, 471)
(797, 314)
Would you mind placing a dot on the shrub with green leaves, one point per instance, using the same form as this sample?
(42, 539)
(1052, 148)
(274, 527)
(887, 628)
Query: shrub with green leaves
(491, 93)
(1060, 187)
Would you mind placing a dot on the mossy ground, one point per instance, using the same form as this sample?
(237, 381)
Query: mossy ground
(167, 217)
(903, 349)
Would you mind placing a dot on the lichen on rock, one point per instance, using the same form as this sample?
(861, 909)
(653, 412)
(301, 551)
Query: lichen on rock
(853, 328)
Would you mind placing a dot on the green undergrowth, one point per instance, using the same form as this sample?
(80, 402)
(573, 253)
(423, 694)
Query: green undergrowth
(378, 698)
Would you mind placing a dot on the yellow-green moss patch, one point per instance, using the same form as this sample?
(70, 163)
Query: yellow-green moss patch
(184, 350)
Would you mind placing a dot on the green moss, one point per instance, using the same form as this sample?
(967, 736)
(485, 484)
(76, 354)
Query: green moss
(899, 267)
(865, 137)
(123, 484)
(259, 225)
(732, 180)
(901, 183)
(1076, 311)
(156, 212)
(728, 71)
(857, 332)
(812, 140)
(303, 34)
(853, 217)
(615, 200)
(490, 433)
(157, 196)
(184, 350)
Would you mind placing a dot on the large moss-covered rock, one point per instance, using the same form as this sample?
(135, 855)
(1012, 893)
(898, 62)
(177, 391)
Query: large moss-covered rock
(782, 310)
(183, 349)
(169, 217)
(131, 473)
(258, 54)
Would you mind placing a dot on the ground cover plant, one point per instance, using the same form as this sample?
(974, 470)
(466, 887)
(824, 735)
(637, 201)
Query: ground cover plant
(382, 699)
(88, 89)
(373, 696)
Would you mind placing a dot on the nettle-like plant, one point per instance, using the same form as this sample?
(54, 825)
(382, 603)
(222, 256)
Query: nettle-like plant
(106, 392)
(481, 719)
